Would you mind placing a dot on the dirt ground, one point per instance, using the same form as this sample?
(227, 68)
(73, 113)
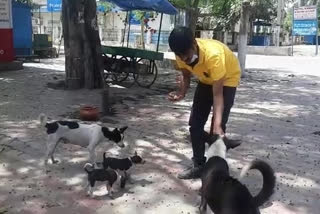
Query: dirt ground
(276, 115)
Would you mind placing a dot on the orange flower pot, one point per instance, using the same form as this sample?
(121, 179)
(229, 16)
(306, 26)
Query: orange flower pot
(89, 113)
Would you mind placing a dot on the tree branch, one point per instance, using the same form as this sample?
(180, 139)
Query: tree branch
(202, 15)
(196, 4)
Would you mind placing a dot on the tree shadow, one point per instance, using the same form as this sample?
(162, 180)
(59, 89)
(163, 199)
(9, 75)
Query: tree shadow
(275, 114)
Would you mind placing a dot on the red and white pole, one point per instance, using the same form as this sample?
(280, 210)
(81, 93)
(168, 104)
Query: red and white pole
(6, 31)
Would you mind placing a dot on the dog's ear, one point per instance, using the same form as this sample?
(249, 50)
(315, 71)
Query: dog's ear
(135, 153)
(123, 129)
(104, 155)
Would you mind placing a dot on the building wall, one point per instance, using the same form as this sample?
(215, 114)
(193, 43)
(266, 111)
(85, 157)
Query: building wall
(44, 24)
(111, 28)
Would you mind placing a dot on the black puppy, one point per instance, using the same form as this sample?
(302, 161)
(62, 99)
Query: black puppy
(122, 165)
(226, 195)
(109, 176)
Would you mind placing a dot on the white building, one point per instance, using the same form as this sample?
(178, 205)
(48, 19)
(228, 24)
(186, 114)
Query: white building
(111, 27)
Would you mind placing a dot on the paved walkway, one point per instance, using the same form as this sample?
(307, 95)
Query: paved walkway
(276, 115)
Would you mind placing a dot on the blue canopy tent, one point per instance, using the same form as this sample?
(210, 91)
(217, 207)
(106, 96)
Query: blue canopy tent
(161, 6)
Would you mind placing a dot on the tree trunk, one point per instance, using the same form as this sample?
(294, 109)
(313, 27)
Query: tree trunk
(84, 66)
(142, 34)
(191, 19)
(243, 36)
(192, 14)
(225, 36)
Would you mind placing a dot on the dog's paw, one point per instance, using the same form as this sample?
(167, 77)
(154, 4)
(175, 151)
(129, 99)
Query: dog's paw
(55, 162)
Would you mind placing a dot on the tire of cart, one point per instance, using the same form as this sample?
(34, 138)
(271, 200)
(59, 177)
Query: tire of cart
(146, 72)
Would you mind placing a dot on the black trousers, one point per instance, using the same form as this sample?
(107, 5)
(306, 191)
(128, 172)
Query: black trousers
(202, 105)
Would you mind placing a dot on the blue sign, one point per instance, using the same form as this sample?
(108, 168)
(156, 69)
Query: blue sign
(305, 27)
(54, 5)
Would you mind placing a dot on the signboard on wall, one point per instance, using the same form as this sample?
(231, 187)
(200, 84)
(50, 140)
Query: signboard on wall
(305, 23)
(6, 33)
(305, 13)
(54, 5)
(5, 14)
(305, 27)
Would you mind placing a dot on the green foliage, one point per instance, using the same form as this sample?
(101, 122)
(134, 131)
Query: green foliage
(319, 16)
(24, 1)
(29, 2)
(183, 4)
(263, 9)
(287, 24)
(106, 5)
(225, 12)
(140, 15)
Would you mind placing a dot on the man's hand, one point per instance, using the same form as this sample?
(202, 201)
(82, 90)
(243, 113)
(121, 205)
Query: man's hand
(218, 130)
(218, 106)
(183, 82)
(175, 96)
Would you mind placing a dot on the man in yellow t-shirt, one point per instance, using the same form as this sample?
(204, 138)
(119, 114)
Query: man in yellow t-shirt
(218, 72)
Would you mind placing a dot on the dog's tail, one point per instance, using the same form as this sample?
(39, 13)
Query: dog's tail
(269, 180)
(43, 119)
(88, 167)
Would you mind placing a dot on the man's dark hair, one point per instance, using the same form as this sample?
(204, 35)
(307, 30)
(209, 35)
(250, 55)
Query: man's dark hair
(181, 40)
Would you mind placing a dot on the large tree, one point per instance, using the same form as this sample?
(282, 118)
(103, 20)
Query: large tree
(192, 11)
(225, 12)
(82, 45)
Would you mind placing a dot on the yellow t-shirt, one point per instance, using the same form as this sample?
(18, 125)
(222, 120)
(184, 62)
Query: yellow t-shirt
(216, 61)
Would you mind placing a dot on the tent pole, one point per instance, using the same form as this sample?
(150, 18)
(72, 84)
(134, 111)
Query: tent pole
(125, 28)
(129, 19)
(159, 32)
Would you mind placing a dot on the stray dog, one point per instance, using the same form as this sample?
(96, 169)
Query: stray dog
(84, 135)
(226, 195)
(122, 165)
(109, 176)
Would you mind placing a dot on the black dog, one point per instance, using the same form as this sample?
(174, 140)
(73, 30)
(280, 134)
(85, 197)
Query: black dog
(122, 165)
(226, 195)
(109, 176)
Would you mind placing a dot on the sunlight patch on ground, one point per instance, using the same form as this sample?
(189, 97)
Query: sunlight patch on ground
(4, 171)
(74, 181)
(246, 111)
(45, 66)
(6, 80)
(297, 181)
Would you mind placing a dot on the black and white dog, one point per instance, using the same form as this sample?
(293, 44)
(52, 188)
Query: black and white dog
(226, 195)
(109, 176)
(123, 166)
(84, 135)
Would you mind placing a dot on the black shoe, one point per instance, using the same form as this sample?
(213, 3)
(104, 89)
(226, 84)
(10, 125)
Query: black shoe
(230, 144)
(191, 173)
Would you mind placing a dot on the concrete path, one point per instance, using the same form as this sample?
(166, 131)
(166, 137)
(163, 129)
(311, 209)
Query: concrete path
(276, 115)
